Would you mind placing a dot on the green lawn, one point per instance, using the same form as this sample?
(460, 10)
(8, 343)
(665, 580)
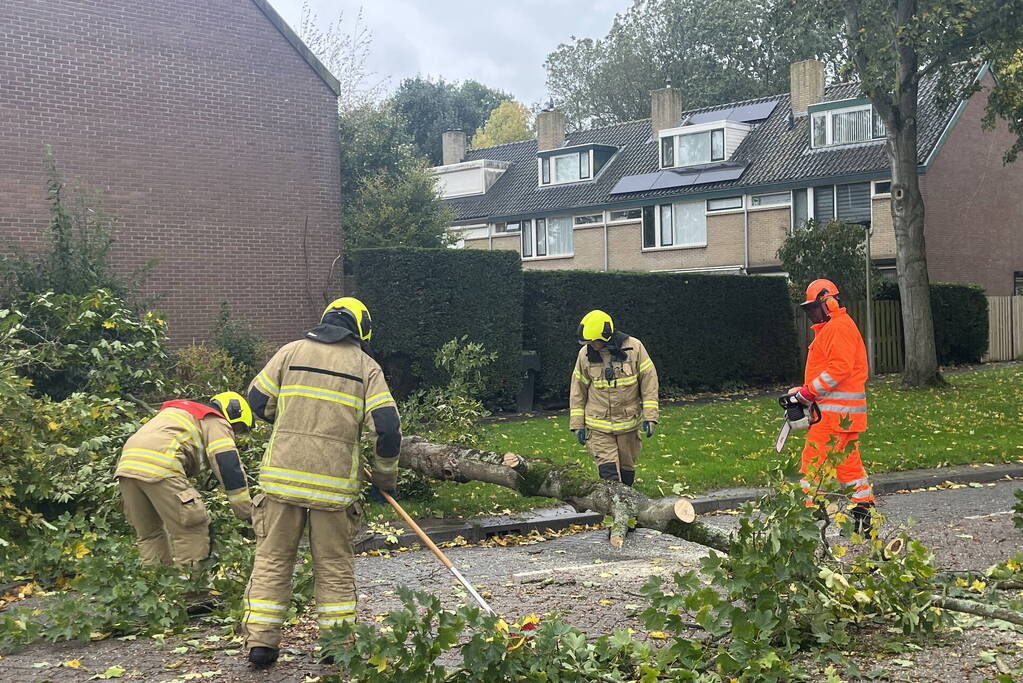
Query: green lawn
(731, 443)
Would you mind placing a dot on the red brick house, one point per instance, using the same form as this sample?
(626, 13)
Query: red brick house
(211, 132)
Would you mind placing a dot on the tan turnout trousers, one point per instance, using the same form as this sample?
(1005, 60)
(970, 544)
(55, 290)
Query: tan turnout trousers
(170, 520)
(621, 450)
(279, 527)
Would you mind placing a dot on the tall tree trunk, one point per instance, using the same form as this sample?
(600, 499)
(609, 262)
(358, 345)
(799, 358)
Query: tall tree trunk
(921, 368)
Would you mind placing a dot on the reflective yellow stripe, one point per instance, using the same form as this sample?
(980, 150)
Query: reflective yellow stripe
(577, 411)
(147, 460)
(309, 477)
(263, 380)
(184, 422)
(220, 443)
(378, 399)
(148, 469)
(626, 381)
(235, 497)
(581, 377)
(336, 607)
(335, 621)
(322, 394)
(153, 455)
(613, 426)
(297, 492)
(646, 365)
(253, 618)
(265, 604)
(387, 465)
(649, 404)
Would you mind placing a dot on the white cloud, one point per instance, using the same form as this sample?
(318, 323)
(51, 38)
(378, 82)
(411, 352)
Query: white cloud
(501, 45)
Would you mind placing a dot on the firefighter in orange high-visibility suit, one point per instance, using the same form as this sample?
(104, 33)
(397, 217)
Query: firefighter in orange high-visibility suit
(835, 377)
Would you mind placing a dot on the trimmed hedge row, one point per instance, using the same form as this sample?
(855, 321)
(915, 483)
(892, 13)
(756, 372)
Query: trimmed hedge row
(422, 298)
(702, 331)
(960, 320)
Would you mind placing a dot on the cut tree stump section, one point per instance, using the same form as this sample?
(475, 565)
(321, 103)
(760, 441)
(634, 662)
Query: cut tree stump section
(541, 477)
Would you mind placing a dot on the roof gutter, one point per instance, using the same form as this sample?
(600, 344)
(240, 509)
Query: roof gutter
(296, 42)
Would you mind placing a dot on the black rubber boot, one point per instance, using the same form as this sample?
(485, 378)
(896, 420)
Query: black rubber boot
(863, 521)
(628, 477)
(608, 471)
(262, 657)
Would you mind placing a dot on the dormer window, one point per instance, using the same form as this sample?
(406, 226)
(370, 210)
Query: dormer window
(844, 123)
(703, 143)
(573, 164)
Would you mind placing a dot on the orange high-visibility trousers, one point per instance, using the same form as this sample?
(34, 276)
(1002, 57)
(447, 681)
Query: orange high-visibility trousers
(848, 468)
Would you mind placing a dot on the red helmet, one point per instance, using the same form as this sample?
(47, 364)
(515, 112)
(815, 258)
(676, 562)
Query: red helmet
(820, 300)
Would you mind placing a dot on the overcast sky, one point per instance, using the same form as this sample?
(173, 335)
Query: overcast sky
(502, 45)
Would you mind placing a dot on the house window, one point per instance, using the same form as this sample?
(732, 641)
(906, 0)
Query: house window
(852, 203)
(1017, 283)
(681, 224)
(568, 168)
(724, 203)
(547, 237)
(824, 203)
(693, 148)
(800, 208)
(625, 215)
(589, 220)
(773, 199)
(858, 123)
(882, 188)
(500, 227)
(511, 227)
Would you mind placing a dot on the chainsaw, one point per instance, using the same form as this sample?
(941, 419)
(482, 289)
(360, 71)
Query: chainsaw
(797, 416)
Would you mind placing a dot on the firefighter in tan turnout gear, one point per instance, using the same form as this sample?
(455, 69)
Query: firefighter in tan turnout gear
(168, 514)
(318, 392)
(613, 394)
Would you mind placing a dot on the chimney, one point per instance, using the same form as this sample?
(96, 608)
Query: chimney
(806, 83)
(452, 147)
(550, 129)
(665, 108)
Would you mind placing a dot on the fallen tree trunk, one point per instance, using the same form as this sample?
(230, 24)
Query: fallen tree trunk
(979, 609)
(540, 477)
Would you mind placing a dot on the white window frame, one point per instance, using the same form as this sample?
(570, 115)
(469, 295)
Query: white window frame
(591, 224)
(829, 136)
(767, 207)
(698, 129)
(875, 193)
(619, 221)
(742, 203)
(547, 239)
(552, 168)
(657, 228)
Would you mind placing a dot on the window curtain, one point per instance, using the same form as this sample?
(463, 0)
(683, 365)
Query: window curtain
(854, 203)
(559, 235)
(566, 168)
(851, 126)
(690, 221)
(694, 149)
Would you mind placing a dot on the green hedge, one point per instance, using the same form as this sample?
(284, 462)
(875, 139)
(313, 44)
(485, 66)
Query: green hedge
(960, 320)
(702, 331)
(422, 298)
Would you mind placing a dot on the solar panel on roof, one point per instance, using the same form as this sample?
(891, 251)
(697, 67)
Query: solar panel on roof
(719, 175)
(708, 116)
(635, 183)
(752, 112)
(673, 179)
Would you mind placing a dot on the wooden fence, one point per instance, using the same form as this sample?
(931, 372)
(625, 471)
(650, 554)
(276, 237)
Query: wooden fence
(1005, 328)
(888, 349)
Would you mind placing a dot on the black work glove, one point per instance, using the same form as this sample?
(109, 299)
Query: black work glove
(374, 494)
(581, 435)
(648, 427)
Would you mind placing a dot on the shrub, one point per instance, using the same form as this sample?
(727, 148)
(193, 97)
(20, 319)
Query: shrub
(197, 368)
(833, 250)
(422, 298)
(960, 320)
(240, 342)
(702, 331)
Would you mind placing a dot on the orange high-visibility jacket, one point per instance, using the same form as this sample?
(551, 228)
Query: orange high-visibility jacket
(836, 371)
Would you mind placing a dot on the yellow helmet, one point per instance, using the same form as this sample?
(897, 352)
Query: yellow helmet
(595, 325)
(234, 407)
(357, 310)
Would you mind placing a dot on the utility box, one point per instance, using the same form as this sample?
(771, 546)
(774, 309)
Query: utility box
(530, 367)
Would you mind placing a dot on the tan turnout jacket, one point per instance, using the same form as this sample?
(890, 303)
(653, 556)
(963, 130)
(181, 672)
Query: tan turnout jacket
(619, 404)
(319, 396)
(174, 443)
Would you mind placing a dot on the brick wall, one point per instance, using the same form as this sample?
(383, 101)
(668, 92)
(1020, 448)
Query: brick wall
(511, 241)
(768, 229)
(882, 237)
(210, 137)
(974, 206)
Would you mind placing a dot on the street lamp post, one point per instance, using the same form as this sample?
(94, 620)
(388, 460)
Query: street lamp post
(870, 314)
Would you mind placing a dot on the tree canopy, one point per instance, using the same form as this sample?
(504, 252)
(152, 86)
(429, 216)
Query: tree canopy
(388, 194)
(509, 122)
(715, 50)
(833, 250)
(431, 107)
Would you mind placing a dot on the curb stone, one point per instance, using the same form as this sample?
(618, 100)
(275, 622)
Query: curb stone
(723, 499)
